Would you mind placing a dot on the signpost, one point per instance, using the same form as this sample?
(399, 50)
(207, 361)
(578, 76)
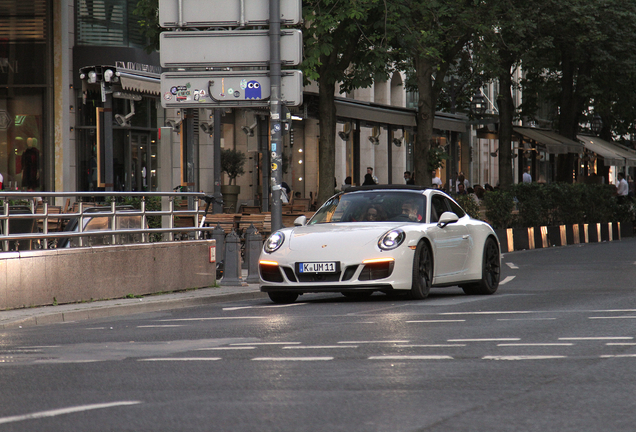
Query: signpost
(232, 48)
(225, 13)
(233, 89)
(235, 49)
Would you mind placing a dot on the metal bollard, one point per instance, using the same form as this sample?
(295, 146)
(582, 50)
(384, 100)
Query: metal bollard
(219, 235)
(232, 261)
(253, 244)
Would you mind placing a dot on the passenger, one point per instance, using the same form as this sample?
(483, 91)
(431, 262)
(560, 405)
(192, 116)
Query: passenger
(374, 214)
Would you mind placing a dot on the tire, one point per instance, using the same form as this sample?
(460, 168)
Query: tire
(282, 297)
(491, 271)
(422, 272)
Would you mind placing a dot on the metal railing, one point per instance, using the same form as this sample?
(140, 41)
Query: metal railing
(46, 239)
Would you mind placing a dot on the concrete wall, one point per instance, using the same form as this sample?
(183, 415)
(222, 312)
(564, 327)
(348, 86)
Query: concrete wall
(42, 277)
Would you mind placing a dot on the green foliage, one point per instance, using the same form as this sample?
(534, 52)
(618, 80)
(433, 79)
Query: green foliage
(499, 206)
(233, 163)
(557, 204)
(148, 13)
(469, 205)
(436, 158)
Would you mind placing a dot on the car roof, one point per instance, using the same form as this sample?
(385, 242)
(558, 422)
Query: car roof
(388, 187)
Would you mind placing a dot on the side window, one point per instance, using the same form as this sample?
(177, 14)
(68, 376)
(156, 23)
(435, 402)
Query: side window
(438, 206)
(456, 208)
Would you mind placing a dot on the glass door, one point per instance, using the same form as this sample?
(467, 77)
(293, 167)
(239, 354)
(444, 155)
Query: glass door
(140, 162)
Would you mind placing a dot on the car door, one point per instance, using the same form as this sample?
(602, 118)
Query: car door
(451, 243)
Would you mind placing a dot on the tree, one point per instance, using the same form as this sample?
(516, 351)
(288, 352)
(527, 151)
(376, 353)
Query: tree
(514, 31)
(429, 37)
(344, 42)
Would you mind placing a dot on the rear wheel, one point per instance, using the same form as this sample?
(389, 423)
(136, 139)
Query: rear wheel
(282, 297)
(491, 271)
(422, 272)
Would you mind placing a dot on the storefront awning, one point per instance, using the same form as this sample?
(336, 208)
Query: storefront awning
(148, 83)
(373, 113)
(612, 154)
(551, 141)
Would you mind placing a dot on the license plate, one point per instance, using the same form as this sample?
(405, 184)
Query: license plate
(317, 267)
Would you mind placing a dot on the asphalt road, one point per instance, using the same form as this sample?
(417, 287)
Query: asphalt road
(553, 350)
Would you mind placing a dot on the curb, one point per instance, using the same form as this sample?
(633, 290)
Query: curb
(118, 310)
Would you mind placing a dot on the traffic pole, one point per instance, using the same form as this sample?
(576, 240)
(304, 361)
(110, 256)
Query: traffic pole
(275, 111)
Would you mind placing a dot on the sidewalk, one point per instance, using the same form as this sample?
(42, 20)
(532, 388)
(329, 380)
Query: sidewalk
(106, 308)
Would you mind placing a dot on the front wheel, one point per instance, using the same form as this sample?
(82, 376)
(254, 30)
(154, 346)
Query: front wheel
(282, 297)
(490, 273)
(422, 272)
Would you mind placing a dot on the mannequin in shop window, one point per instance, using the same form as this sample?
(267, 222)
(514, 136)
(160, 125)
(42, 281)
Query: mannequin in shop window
(31, 166)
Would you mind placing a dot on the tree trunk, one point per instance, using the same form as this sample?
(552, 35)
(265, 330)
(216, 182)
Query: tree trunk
(506, 108)
(327, 140)
(425, 117)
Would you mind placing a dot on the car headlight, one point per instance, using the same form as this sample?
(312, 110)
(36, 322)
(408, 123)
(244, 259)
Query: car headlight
(274, 242)
(392, 239)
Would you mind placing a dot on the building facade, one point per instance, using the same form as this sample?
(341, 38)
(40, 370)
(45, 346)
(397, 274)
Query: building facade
(80, 109)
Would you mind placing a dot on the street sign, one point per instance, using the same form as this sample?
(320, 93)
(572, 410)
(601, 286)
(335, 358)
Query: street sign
(234, 48)
(232, 89)
(225, 13)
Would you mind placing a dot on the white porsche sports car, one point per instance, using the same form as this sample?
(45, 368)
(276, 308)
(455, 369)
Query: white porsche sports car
(389, 238)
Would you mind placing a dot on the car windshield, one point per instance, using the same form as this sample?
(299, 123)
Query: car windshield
(372, 206)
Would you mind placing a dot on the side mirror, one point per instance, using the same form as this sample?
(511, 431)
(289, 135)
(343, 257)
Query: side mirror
(300, 221)
(447, 218)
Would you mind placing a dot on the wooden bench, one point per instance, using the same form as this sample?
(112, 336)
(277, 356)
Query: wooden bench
(245, 209)
(54, 223)
(301, 204)
(258, 220)
(227, 221)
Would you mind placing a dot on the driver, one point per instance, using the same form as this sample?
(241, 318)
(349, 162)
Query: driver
(409, 209)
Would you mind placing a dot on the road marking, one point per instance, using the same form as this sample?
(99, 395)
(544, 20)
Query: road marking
(431, 346)
(506, 280)
(265, 343)
(436, 321)
(412, 357)
(512, 266)
(373, 342)
(212, 319)
(598, 338)
(614, 310)
(41, 346)
(292, 358)
(536, 344)
(620, 344)
(525, 319)
(61, 411)
(487, 313)
(320, 346)
(227, 348)
(484, 340)
(615, 317)
(618, 356)
(96, 328)
(521, 357)
(160, 326)
(180, 359)
(262, 307)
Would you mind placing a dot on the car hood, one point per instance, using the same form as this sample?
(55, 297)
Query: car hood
(337, 235)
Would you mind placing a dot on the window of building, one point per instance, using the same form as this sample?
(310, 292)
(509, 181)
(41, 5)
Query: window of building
(109, 23)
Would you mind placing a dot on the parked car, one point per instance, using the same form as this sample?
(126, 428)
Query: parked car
(390, 238)
(101, 223)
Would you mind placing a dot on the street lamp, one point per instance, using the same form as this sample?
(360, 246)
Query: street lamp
(478, 104)
(597, 124)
